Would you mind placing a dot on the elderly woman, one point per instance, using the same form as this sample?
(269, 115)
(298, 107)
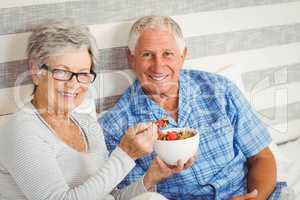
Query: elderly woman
(49, 152)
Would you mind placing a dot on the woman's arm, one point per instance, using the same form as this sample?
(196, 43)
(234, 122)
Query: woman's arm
(32, 163)
(157, 172)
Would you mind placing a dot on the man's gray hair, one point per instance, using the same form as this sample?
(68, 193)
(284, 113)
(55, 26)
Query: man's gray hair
(55, 37)
(155, 22)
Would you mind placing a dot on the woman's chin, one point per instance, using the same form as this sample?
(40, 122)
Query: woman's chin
(68, 106)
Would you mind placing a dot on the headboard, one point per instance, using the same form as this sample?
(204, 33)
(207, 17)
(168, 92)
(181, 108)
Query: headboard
(254, 43)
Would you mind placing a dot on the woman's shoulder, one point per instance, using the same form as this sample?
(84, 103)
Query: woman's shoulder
(23, 121)
(20, 133)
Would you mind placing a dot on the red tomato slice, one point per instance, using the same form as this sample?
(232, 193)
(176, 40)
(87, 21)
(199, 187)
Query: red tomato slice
(161, 123)
(172, 135)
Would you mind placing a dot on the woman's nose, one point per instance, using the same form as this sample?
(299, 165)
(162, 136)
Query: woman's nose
(72, 83)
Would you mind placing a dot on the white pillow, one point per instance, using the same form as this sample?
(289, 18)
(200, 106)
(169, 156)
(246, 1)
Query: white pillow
(261, 98)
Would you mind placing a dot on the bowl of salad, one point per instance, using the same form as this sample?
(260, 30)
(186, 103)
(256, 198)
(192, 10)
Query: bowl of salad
(176, 144)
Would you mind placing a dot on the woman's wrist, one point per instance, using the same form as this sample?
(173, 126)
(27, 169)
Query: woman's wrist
(149, 183)
(126, 147)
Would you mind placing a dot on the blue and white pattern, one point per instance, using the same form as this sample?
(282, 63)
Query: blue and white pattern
(229, 131)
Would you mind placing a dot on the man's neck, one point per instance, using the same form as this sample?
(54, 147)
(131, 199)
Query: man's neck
(169, 104)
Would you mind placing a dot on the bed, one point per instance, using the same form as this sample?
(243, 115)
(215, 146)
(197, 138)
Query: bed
(290, 166)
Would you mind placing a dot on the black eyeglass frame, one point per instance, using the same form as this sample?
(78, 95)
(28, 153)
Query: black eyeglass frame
(48, 68)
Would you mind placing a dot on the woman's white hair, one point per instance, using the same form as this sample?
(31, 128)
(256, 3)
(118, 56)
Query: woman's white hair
(55, 37)
(155, 22)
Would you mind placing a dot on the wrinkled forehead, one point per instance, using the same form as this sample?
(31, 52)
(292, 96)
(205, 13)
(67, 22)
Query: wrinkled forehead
(65, 49)
(156, 38)
(158, 28)
(79, 59)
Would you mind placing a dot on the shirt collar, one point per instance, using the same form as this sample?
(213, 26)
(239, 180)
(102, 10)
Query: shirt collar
(185, 94)
(139, 99)
(143, 105)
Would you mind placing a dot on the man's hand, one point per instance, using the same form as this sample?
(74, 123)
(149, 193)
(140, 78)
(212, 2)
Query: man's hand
(249, 196)
(159, 171)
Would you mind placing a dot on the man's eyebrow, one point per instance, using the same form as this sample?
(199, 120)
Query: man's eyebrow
(168, 49)
(146, 50)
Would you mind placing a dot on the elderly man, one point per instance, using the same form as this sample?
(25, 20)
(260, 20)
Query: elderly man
(233, 159)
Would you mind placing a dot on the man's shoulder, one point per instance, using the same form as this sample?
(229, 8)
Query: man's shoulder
(207, 79)
(118, 113)
(113, 117)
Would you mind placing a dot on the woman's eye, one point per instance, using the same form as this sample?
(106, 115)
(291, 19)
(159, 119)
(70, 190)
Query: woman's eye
(61, 73)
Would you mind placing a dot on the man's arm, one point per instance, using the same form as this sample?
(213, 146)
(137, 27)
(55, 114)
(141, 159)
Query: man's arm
(262, 173)
(253, 139)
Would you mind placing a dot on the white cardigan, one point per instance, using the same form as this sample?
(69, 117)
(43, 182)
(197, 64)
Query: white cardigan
(36, 165)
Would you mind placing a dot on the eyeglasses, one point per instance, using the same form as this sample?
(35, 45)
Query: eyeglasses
(63, 75)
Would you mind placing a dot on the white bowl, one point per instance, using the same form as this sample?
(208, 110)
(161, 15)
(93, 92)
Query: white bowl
(170, 151)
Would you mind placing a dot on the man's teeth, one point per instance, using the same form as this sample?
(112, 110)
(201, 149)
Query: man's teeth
(158, 78)
(69, 94)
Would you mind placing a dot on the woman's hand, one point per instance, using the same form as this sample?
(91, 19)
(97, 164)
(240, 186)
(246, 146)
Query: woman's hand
(138, 141)
(159, 171)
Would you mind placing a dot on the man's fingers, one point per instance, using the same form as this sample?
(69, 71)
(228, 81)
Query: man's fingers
(179, 167)
(189, 163)
(250, 195)
(195, 156)
(161, 163)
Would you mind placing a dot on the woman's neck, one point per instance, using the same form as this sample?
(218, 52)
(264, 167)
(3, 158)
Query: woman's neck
(50, 112)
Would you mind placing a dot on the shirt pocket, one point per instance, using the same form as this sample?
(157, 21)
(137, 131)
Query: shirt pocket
(216, 142)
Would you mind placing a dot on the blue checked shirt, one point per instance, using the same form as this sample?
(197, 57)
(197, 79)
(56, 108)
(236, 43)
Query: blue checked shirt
(229, 134)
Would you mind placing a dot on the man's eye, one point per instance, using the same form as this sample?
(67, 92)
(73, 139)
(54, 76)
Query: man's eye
(167, 54)
(146, 55)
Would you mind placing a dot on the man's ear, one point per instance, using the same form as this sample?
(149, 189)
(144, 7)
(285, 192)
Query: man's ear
(183, 56)
(184, 53)
(34, 70)
(130, 58)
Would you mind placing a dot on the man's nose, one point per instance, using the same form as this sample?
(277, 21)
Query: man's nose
(158, 63)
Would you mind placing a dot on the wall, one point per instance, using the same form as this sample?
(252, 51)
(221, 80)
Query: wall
(256, 43)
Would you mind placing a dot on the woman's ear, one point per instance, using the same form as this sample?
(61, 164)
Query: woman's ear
(34, 70)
